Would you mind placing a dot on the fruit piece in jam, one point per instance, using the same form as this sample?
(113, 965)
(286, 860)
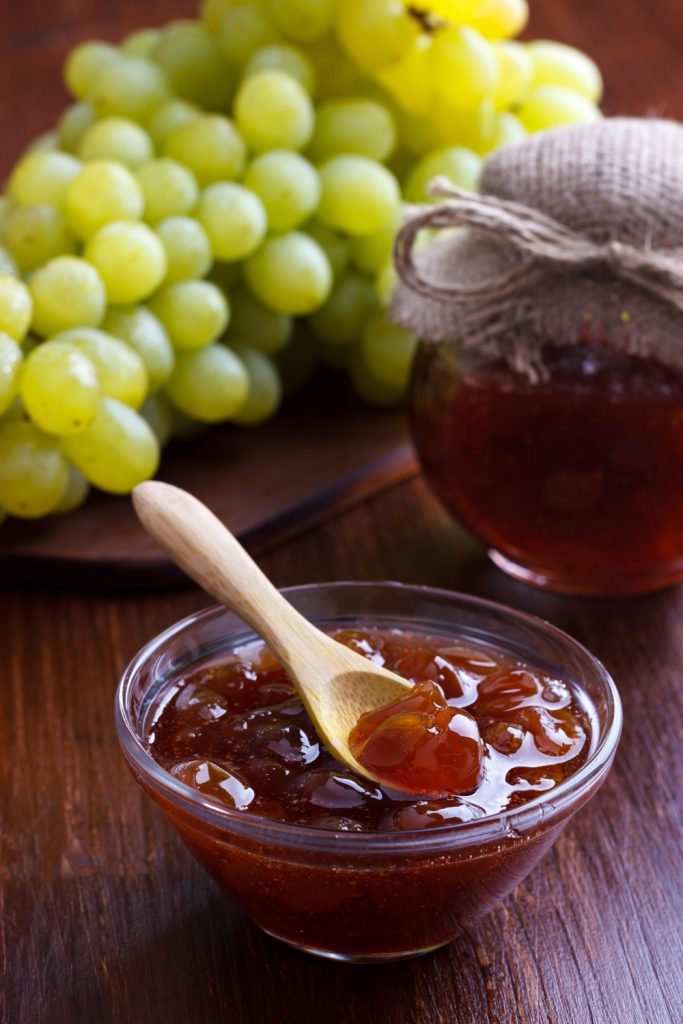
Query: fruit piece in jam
(236, 731)
(419, 744)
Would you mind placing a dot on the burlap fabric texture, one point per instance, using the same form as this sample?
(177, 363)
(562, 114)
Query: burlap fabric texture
(577, 234)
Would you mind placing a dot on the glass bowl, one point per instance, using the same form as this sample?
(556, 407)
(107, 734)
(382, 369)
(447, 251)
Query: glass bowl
(367, 896)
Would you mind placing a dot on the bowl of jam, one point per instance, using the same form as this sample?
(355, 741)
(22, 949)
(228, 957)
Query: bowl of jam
(319, 856)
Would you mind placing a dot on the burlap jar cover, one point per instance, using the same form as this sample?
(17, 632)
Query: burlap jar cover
(577, 233)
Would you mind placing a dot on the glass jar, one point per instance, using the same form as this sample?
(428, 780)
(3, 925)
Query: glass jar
(574, 480)
(367, 896)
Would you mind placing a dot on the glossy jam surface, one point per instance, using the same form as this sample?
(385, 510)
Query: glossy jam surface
(235, 731)
(578, 478)
(419, 744)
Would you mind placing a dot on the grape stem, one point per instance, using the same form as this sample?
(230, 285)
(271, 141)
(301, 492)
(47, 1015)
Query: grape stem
(428, 22)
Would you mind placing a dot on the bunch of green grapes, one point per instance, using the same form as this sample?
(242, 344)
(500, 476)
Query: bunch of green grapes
(215, 214)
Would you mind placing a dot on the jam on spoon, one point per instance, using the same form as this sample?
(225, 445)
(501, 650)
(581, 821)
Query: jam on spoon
(419, 744)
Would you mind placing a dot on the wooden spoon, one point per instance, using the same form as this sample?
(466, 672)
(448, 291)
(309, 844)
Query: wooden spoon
(336, 684)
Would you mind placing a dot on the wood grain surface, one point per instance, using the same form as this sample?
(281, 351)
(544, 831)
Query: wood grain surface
(267, 483)
(103, 915)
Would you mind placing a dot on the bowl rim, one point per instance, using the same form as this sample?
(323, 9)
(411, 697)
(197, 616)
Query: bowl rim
(508, 823)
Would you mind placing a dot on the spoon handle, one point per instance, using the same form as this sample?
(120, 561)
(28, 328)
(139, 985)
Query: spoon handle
(205, 549)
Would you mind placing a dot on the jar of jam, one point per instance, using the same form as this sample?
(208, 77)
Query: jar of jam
(547, 394)
(321, 857)
(574, 481)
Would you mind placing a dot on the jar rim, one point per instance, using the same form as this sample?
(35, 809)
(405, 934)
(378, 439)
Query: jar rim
(504, 824)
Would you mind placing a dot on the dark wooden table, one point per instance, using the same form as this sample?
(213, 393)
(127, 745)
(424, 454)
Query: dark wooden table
(105, 918)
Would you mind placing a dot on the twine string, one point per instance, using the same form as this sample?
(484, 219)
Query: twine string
(540, 243)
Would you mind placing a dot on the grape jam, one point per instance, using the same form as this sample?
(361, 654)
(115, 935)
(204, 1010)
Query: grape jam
(503, 730)
(577, 480)
(420, 745)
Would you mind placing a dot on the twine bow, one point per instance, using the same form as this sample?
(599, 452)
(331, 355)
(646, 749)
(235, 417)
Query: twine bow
(540, 242)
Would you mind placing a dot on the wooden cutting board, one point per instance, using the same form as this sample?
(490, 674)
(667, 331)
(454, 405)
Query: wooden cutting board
(323, 452)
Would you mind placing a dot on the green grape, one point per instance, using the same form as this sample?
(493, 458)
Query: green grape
(8, 264)
(6, 208)
(336, 248)
(495, 19)
(508, 129)
(353, 126)
(210, 146)
(103, 191)
(187, 246)
(515, 73)
(274, 111)
(368, 387)
(120, 370)
(288, 186)
(409, 80)
(141, 43)
(375, 32)
(118, 451)
(130, 259)
(385, 282)
(461, 166)
(45, 143)
(75, 494)
(472, 128)
(195, 313)
(359, 196)
(335, 75)
(234, 218)
(279, 57)
(551, 106)
(158, 412)
(116, 138)
(251, 322)
(60, 388)
(14, 411)
(464, 66)
(558, 64)
(297, 362)
(168, 117)
(290, 274)
(265, 388)
(340, 321)
(416, 134)
(10, 370)
(371, 253)
(16, 307)
(210, 386)
(388, 351)
(243, 30)
(33, 472)
(304, 21)
(73, 124)
(84, 64)
(212, 13)
(131, 86)
(42, 177)
(144, 332)
(502, 19)
(67, 292)
(36, 234)
(169, 188)
(195, 67)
